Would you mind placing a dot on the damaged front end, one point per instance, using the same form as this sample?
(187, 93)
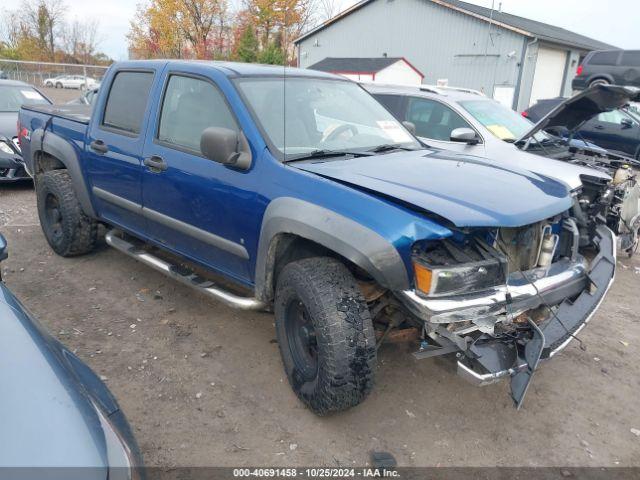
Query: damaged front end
(506, 299)
(616, 202)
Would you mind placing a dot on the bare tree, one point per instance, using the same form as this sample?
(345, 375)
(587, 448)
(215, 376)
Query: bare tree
(327, 9)
(45, 18)
(81, 40)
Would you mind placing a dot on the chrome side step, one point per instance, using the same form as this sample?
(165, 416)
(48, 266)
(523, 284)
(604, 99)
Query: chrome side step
(188, 278)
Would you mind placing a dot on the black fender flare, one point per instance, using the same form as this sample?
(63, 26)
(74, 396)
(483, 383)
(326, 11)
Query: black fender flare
(344, 236)
(60, 148)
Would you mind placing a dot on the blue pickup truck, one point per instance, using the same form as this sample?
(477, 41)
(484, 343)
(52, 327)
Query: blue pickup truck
(296, 191)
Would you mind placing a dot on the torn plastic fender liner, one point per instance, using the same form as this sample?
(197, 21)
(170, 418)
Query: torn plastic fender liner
(499, 359)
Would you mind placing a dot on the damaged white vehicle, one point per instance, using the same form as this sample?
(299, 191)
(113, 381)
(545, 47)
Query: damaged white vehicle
(604, 185)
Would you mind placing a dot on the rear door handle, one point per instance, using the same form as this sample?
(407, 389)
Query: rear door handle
(156, 164)
(99, 146)
(599, 127)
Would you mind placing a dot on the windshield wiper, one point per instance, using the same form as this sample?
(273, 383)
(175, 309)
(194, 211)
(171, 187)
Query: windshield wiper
(386, 147)
(321, 153)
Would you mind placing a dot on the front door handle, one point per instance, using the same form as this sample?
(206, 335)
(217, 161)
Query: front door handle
(155, 163)
(99, 146)
(599, 127)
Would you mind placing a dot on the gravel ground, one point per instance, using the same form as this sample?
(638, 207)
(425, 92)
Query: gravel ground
(203, 385)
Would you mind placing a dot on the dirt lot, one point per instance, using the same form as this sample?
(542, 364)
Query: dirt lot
(203, 384)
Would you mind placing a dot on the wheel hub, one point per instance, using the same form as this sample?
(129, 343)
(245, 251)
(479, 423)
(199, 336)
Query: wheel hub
(303, 343)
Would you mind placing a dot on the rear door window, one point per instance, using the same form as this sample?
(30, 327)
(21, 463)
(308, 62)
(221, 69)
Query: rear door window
(604, 58)
(127, 101)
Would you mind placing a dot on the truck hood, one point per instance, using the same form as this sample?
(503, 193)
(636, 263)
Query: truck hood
(468, 191)
(581, 108)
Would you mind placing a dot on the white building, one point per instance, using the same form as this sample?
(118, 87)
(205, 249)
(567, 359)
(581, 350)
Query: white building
(395, 70)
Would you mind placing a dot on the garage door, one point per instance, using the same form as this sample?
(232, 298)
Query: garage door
(547, 79)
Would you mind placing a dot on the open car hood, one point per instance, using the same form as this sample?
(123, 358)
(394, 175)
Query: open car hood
(581, 108)
(468, 191)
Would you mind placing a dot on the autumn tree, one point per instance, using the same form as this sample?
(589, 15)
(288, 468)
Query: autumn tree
(179, 28)
(287, 18)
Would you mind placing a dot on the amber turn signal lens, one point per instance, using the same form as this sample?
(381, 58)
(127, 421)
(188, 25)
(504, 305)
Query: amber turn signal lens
(423, 277)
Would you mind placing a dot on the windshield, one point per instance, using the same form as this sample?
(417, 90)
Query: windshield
(12, 97)
(501, 121)
(303, 115)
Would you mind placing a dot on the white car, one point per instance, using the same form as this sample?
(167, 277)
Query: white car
(71, 81)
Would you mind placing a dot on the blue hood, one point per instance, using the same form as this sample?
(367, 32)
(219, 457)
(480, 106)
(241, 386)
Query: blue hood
(468, 191)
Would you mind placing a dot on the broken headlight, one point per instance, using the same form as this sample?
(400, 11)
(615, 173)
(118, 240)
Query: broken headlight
(452, 268)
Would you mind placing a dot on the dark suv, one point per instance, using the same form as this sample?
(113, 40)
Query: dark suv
(619, 67)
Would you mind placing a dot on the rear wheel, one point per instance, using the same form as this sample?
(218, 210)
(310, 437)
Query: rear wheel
(599, 81)
(325, 334)
(67, 229)
(58, 85)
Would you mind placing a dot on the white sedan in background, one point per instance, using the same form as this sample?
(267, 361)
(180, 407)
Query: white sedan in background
(71, 81)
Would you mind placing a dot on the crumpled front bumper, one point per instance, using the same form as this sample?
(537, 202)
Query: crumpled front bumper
(12, 168)
(490, 359)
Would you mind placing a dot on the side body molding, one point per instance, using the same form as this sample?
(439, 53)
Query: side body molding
(364, 247)
(63, 151)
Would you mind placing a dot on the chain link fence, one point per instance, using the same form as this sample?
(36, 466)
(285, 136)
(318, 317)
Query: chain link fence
(37, 73)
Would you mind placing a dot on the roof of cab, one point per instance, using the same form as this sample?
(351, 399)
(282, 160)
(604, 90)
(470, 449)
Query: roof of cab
(236, 69)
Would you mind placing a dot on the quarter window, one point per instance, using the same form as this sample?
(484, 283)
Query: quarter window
(190, 106)
(604, 58)
(433, 119)
(614, 116)
(127, 101)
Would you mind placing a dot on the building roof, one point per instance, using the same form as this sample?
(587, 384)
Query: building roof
(533, 28)
(524, 26)
(355, 65)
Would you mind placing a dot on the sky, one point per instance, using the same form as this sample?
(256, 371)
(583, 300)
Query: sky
(613, 21)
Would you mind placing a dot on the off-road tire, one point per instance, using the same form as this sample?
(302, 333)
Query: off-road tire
(75, 233)
(344, 335)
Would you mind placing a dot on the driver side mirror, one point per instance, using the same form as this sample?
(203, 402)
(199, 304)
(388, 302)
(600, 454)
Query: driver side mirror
(226, 146)
(464, 135)
(626, 123)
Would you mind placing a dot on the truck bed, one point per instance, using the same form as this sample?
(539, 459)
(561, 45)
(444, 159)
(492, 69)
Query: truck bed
(76, 113)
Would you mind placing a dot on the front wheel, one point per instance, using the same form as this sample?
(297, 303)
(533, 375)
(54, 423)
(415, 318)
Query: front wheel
(325, 334)
(599, 81)
(58, 85)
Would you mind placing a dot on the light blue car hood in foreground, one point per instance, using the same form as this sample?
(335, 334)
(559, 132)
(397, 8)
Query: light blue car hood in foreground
(59, 420)
(468, 191)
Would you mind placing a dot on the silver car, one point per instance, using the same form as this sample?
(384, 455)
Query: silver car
(477, 125)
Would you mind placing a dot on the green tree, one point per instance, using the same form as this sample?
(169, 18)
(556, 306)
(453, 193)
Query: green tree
(272, 55)
(247, 50)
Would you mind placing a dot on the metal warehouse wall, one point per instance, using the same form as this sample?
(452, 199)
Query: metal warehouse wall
(440, 42)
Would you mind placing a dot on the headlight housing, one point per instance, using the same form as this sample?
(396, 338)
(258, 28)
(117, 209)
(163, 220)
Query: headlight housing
(451, 268)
